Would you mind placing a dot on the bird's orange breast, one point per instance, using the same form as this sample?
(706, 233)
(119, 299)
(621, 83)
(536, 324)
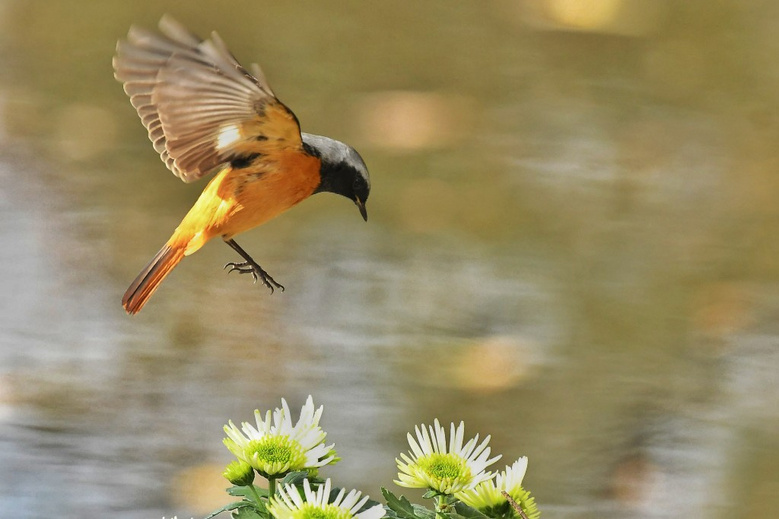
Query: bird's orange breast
(238, 199)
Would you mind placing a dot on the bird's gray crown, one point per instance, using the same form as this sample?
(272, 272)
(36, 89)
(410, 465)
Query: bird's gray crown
(343, 171)
(335, 152)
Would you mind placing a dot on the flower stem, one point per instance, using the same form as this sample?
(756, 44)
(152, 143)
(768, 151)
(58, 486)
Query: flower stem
(254, 493)
(271, 487)
(442, 504)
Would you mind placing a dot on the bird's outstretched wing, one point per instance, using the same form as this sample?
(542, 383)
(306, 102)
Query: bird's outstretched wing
(201, 107)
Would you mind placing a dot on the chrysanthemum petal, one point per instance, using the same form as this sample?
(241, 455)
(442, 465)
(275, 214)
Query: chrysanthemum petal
(439, 437)
(288, 504)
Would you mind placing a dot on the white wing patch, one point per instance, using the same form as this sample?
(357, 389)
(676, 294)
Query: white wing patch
(228, 135)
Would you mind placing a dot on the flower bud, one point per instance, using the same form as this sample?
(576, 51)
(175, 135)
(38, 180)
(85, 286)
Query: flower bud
(239, 473)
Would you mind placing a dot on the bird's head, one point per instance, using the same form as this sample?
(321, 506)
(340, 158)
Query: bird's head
(343, 171)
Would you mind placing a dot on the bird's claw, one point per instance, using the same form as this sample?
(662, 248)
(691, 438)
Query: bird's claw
(257, 273)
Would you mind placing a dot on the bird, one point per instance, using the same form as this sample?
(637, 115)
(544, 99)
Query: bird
(208, 115)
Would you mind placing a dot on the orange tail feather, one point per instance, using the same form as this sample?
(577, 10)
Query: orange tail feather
(150, 277)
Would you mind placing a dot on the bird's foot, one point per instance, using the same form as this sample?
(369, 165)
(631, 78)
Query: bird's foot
(247, 267)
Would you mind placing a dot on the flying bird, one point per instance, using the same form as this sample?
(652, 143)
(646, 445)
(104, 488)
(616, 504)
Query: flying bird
(208, 115)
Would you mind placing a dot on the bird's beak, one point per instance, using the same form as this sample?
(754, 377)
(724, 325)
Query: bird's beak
(361, 206)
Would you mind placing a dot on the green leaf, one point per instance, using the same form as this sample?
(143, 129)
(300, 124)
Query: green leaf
(467, 512)
(423, 513)
(248, 512)
(245, 492)
(400, 506)
(230, 507)
(296, 478)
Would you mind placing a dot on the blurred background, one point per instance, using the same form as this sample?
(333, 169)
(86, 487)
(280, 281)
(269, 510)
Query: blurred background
(572, 246)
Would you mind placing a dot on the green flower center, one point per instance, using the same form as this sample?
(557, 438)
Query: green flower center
(312, 511)
(444, 467)
(272, 449)
(274, 455)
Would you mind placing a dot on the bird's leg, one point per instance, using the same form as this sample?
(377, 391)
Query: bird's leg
(251, 267)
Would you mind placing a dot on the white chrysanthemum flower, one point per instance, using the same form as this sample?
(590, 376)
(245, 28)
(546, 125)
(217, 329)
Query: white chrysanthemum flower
(488, 493)
(288, 504)
(446, 470)
(277, 447)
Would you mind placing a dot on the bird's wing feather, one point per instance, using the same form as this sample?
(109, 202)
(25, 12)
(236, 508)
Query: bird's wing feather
(200, 106)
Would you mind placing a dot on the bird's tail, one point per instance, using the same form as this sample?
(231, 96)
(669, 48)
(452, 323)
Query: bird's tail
(150, 277)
